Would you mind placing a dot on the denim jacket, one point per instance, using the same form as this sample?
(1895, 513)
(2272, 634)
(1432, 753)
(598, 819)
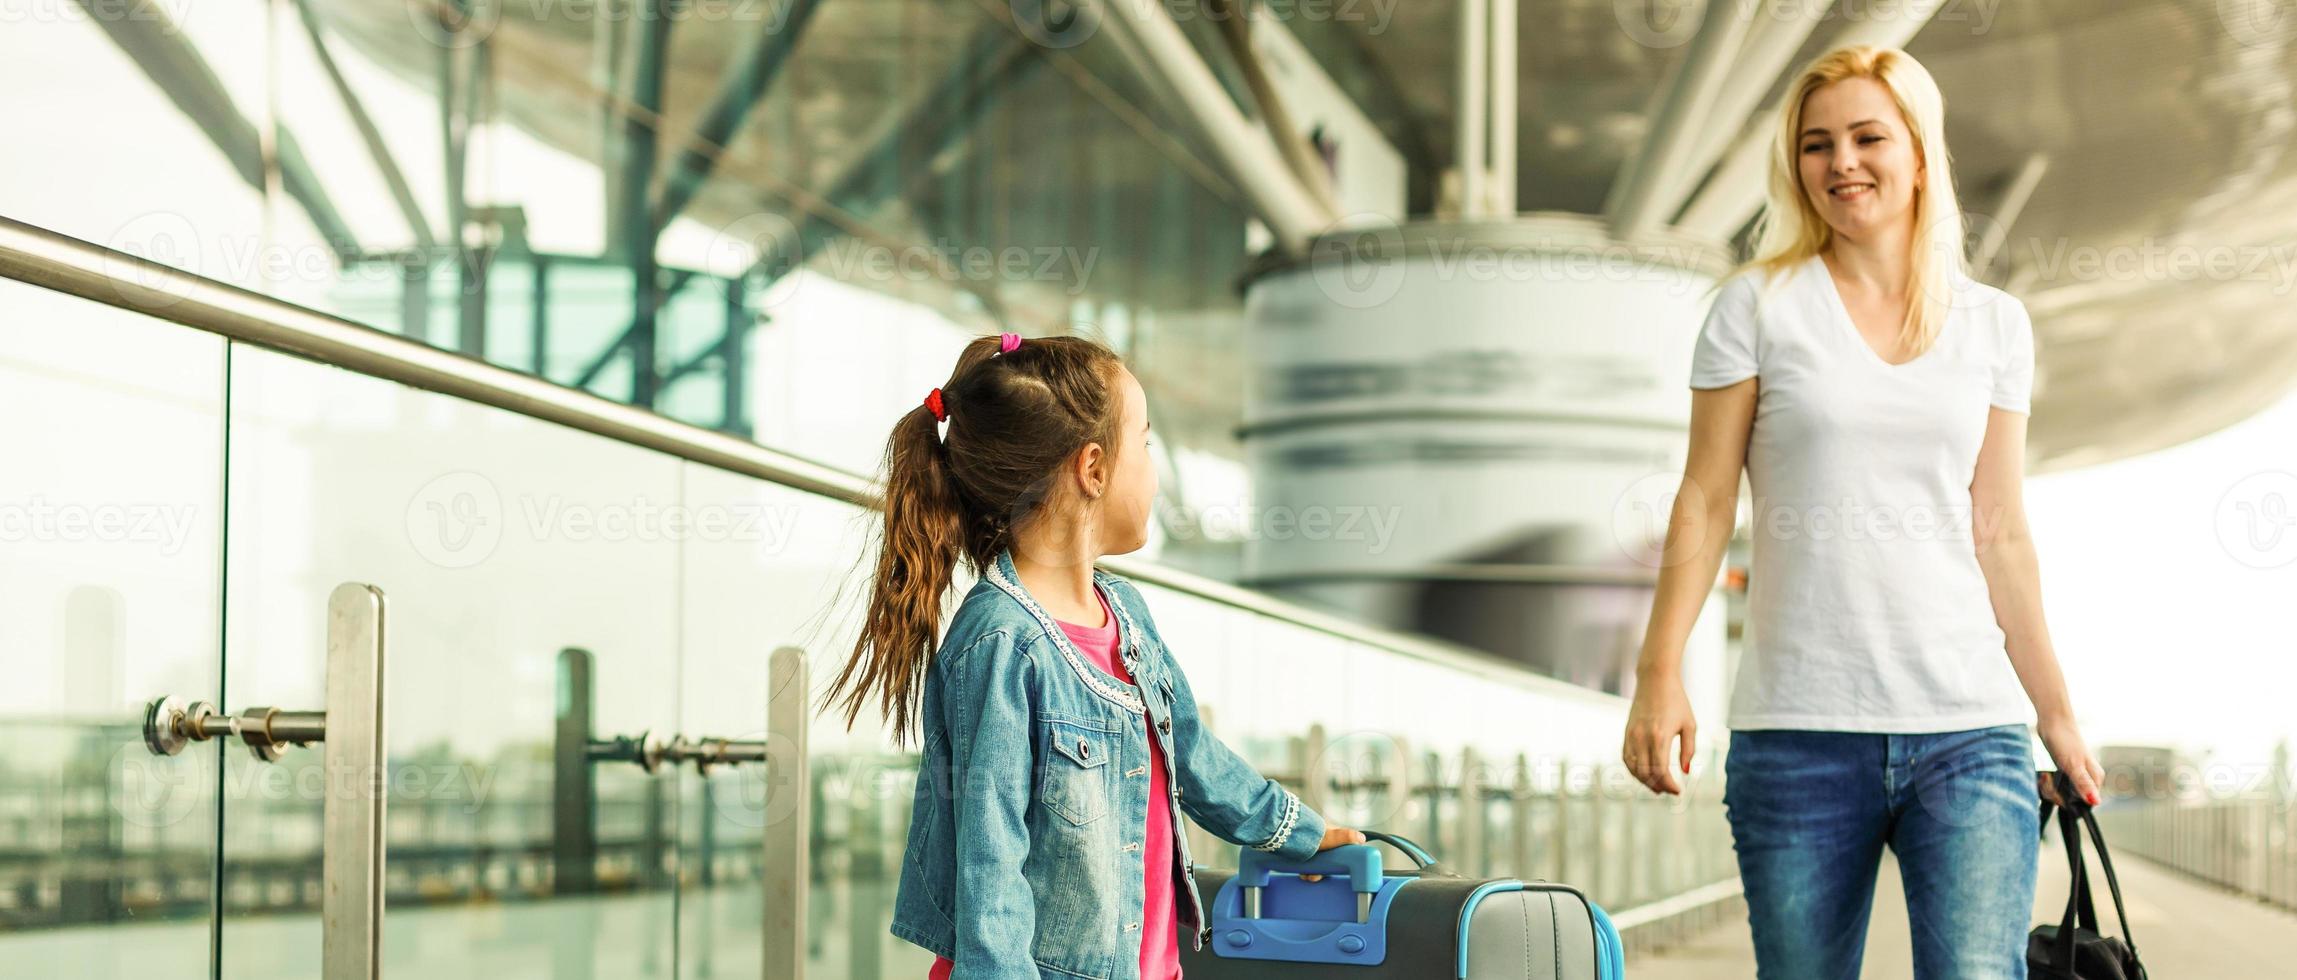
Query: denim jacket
(1033, 792)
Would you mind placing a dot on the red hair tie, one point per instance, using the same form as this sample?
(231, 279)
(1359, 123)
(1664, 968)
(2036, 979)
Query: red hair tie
(933, 404)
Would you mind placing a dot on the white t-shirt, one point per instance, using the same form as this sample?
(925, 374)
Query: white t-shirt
(1867, 611)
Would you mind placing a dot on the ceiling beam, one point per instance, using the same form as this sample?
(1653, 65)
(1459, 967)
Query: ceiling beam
(1634, 205)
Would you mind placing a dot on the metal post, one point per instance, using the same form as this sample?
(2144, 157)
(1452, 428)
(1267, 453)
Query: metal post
(538, 343)
(789, 813)
(1562, 845)
(1399, 771)
(1502, 180)
(351, 856)
(1435, 808)
(1315, 781)
(1519, 818)
(733, 364)
(640, 229)
(415, 298)
(574, 793)
(357, 783)
(1472, 813)
(1472, 114)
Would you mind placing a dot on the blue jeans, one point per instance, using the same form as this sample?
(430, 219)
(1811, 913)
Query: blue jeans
(1811, 811)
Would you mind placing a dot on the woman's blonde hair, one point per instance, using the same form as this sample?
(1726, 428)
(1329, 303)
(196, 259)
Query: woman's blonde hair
(1790, 230)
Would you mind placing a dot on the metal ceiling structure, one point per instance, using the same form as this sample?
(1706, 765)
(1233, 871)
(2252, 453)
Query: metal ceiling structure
(2126, 163)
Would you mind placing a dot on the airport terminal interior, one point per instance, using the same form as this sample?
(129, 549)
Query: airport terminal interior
(485, 399)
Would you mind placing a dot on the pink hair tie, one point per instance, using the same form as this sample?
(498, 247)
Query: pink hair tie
(1006, 343)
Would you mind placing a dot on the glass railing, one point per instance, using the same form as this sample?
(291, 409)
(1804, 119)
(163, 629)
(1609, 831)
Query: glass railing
(2246, 844)
(191, 469)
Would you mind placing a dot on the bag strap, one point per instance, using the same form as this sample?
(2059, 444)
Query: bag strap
(2078, 899)
(2098, 840)
(2082, 814)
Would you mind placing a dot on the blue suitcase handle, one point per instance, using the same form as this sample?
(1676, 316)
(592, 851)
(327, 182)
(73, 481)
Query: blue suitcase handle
(1305, 928)
(1361, 863)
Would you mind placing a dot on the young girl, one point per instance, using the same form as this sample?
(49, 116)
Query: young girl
(1061, 741)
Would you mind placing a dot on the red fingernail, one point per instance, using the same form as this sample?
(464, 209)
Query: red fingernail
(2092, 797)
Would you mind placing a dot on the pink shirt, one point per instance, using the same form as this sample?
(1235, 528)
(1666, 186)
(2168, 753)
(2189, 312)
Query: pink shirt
(1160, 929)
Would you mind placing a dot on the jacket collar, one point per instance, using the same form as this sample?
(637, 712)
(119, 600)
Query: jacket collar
(1119, 693)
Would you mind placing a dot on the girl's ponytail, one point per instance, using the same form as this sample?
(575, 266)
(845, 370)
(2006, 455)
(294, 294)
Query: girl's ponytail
(1015, 412)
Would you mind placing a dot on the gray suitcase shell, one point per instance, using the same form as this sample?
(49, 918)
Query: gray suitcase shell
(1515, 929)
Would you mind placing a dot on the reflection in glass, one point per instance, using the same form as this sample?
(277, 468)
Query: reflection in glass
(498, 542)
(110, 538)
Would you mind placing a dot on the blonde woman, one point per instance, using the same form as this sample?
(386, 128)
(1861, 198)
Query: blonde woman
(1877, 396)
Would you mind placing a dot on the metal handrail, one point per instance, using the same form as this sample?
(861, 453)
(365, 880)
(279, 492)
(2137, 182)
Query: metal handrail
(52, 260)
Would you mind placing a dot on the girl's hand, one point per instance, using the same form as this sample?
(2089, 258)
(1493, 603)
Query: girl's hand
(1660, 714)
(1334, 837)
(2064, 741)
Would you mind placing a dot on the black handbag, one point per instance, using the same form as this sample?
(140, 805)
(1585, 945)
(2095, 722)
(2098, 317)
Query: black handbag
(2073, 949)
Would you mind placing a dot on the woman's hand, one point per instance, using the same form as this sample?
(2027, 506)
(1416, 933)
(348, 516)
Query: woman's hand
(1660, 714)
(1334, 837)
(2064, 740)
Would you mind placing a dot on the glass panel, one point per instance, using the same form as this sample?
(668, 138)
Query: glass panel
(499, 542)
(111, 426)
(766, 567)
(133, 131)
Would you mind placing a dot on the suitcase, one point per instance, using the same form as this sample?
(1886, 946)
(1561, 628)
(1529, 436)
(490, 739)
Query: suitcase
(1365, 921)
